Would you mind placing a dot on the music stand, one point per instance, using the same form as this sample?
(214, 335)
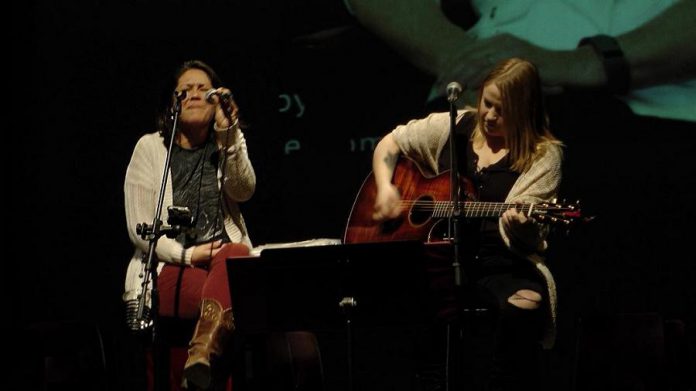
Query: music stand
(302, 289)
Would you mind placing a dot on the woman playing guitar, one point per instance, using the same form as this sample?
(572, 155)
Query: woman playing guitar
(510, 157)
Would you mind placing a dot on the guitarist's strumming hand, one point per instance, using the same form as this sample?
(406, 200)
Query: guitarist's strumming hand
(386, 203)
(384, 161)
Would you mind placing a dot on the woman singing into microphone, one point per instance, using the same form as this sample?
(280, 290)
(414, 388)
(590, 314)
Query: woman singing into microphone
(210, 174)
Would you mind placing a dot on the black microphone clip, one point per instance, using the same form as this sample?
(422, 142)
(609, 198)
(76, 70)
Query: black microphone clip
(180, 95)
(176, 105)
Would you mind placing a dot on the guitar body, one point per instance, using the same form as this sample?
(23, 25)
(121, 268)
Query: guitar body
(412, 224)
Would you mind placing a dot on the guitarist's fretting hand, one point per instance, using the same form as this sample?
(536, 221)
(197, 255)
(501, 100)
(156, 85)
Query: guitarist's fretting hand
(519, 226)
(387, 203)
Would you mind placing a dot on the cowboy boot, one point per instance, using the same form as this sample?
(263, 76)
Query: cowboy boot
(212, 329)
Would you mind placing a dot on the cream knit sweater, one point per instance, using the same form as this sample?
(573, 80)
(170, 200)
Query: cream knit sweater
(141, 190)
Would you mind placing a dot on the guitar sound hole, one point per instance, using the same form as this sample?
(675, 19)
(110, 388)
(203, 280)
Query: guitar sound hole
(422, 211)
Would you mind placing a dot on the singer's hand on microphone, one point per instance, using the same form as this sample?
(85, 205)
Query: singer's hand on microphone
(226, 108)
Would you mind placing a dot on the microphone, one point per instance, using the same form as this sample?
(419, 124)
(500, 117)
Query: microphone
(180, 95)
(454, 89)
(223, 96)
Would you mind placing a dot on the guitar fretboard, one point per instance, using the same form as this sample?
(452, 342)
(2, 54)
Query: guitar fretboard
(442, 209)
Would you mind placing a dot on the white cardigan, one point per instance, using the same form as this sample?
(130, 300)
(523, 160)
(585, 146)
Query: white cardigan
(141, 191)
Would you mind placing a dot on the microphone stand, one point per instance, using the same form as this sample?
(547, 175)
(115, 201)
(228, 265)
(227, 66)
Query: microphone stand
(454, 228)
(153, 233)
(454, 351)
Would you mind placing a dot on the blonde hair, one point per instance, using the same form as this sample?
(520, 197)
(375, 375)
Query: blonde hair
(523, 109)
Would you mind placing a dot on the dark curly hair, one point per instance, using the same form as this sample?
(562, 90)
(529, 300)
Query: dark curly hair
(165, 117)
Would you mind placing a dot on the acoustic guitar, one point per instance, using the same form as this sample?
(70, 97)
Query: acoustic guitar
(426, 208)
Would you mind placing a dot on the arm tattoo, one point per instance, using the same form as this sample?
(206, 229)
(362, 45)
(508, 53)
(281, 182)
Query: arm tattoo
(390, 160)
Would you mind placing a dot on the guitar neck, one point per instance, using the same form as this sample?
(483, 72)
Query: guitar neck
(474, 209)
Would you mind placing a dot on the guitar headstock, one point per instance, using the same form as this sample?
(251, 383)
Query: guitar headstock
(558, 213)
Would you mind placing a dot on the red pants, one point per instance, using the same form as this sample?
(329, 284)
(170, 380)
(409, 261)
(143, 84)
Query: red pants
(181, 288)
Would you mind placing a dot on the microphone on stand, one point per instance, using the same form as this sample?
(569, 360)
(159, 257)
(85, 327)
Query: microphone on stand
(454, 89)
(180, 95)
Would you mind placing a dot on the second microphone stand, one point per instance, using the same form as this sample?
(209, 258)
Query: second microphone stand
(455, 193)
(467, 308)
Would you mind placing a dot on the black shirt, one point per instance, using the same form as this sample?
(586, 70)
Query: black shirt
(491, 184)
(194, 183)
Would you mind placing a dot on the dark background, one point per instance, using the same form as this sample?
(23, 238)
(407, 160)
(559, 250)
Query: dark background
(97, 76)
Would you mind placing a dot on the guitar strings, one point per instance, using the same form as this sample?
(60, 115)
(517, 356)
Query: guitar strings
(482, 205)
(478, 208)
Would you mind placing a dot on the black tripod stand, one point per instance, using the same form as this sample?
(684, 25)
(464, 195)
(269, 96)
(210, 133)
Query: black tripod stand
(144, 318)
